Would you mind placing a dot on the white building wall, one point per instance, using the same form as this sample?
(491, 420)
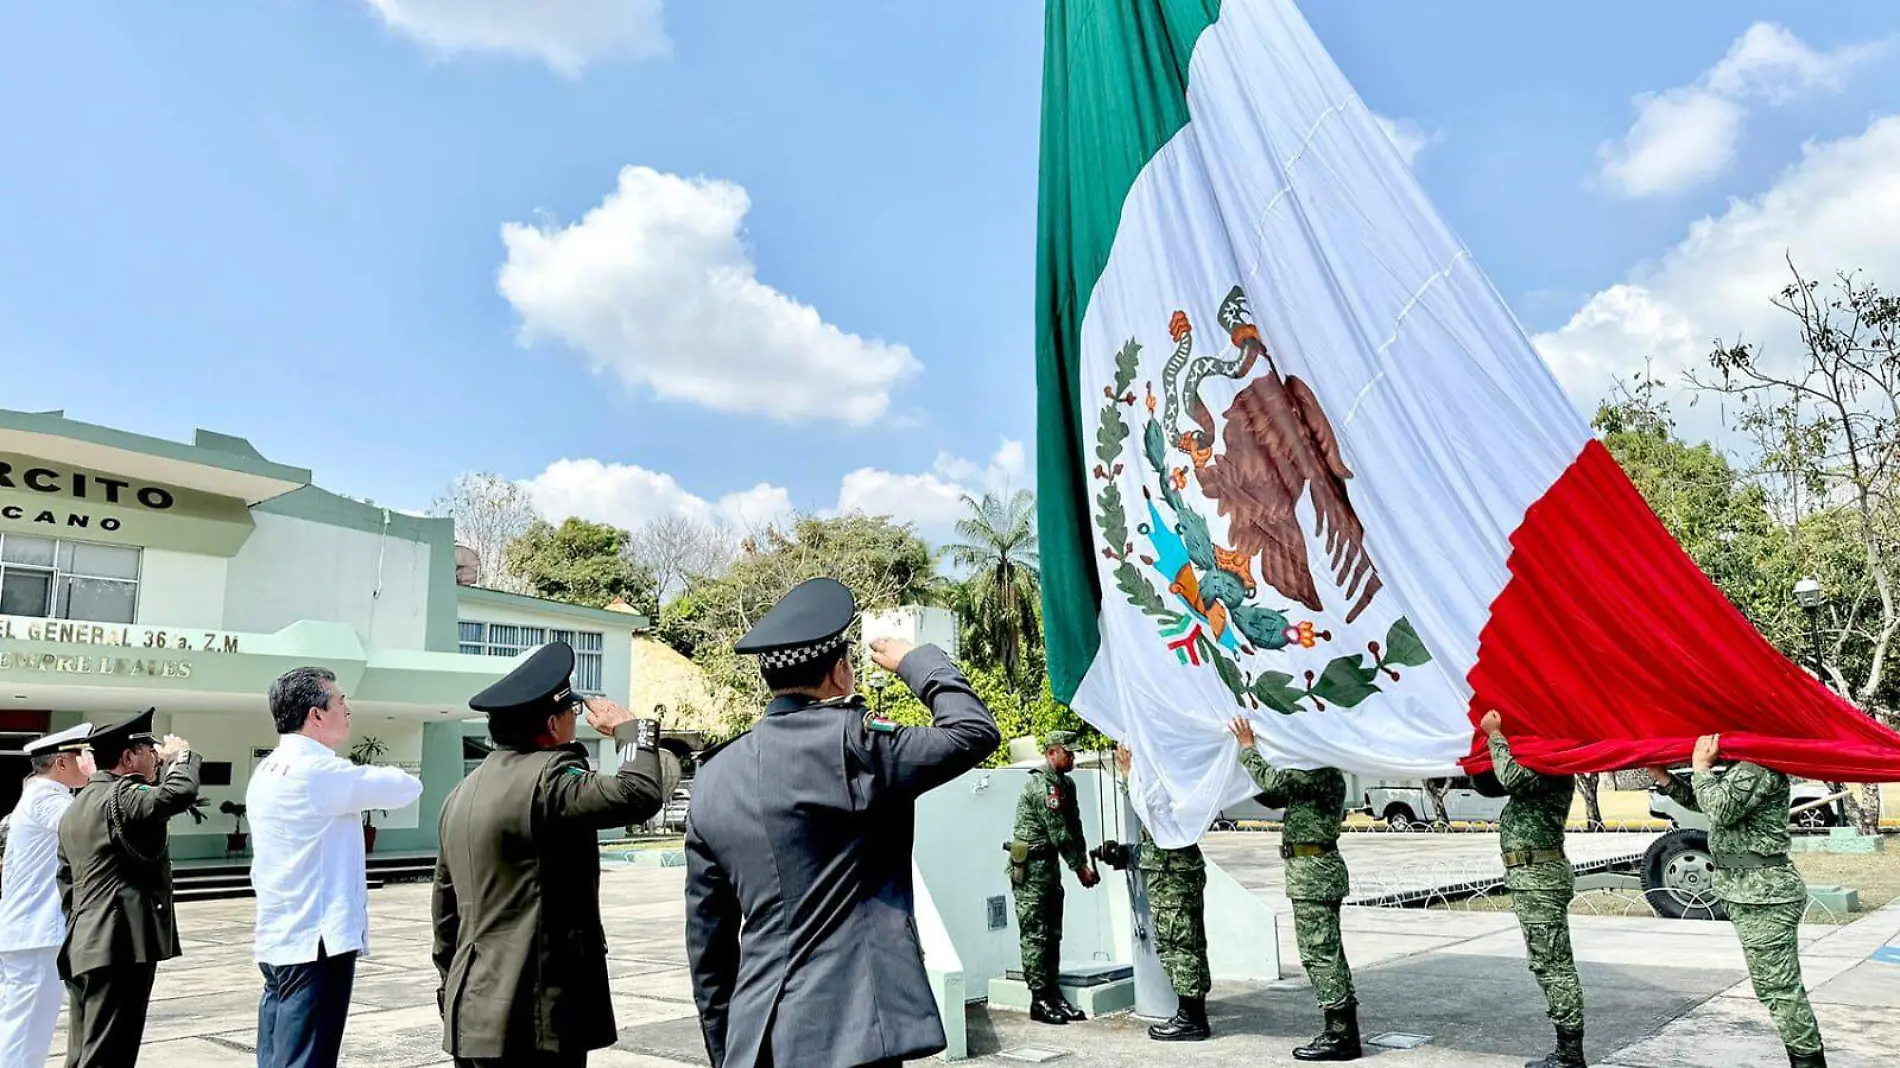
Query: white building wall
(181, 589)
(616, 642)
(293, 569)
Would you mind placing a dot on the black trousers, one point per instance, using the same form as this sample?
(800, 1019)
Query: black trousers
(532, 1060)
(303, 1009)
(106, 1009)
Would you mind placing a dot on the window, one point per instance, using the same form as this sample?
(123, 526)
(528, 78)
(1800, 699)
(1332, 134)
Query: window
(587, 658)
(508, 639)
(68, 579)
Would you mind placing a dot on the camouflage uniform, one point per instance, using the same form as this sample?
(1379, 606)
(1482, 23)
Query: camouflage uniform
(1050, 824)
(1177, 898)
(1316, 878)
(1765, 896)
(1540, 878)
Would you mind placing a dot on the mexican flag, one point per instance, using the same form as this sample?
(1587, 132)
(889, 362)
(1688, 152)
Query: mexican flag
(1298, 462)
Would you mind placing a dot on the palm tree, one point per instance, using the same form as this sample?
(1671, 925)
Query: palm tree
(1003, 594)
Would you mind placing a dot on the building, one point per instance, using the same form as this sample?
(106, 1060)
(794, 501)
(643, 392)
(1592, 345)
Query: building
(137, 572)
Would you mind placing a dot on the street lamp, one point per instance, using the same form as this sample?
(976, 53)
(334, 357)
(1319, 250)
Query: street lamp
(1810, 596)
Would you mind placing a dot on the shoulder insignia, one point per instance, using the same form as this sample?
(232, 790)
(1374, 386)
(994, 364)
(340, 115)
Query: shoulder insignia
(882, 724)
(576, 770)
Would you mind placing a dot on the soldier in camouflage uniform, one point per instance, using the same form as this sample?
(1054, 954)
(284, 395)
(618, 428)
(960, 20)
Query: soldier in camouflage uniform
(1542, 884)
(1316, 880)
(1747, 807)
(1048, 834)
(1177, 904)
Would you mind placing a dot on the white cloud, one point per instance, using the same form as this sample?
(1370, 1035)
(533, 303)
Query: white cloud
(564, 34)
(656, 286)
(1837, 209)
(629, 496)
(933, 500)
(1685, 136)
(1407, 136)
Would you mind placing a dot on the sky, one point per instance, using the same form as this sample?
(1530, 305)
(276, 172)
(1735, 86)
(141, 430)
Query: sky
(730, 258)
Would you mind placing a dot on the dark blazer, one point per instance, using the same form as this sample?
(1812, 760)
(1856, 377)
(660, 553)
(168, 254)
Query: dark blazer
(519, 945)
(115, 869)
(800, 832)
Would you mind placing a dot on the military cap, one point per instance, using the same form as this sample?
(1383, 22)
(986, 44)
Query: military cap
(539, 684)
(70, 740)
(1065, 739)
(807, 623)
(109, 742)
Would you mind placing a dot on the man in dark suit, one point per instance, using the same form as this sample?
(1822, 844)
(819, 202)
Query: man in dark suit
(800, 832)
(115, 884)
(518, 940)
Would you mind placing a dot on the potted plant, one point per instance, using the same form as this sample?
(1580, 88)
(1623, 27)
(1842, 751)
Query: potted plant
(368, 751)
(236, 841)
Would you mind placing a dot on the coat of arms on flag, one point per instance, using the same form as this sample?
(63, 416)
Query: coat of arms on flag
(1236, 600)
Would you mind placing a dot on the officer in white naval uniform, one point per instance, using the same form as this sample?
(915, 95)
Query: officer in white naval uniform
(31, 923)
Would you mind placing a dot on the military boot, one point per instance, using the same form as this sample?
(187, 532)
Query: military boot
(1188, 1025)
(1340, 1040)
(1074, 1014)
(1817, 1059)
(1044, 1009)
(1568, 1054)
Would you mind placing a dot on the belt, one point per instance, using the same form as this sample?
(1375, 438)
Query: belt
(1289, 850)
(1518, 858)
(1747, 861)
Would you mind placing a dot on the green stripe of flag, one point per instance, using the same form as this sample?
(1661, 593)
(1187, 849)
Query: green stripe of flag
(1114, 91)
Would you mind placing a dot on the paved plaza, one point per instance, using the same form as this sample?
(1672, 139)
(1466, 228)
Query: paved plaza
(1662, 994)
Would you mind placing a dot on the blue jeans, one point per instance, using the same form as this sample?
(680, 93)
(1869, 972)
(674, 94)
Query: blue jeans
(300, 1018)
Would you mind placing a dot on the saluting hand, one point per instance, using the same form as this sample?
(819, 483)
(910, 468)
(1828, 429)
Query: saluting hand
(1124, 757)
(604, 715)
(1707, 749)
(171, 748)
(887, 653)
(1492, 724)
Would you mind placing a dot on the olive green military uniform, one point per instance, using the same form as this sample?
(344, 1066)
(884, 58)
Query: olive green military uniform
(519, 945)
(1540, 878)
(1049, 824)
(1177, 902)
(115, 886)
(1765, 896)
(1316, 877)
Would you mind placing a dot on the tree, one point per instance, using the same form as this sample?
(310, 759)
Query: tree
(677, 548)
(1002, 596)
(1592, 806)
(1825, 421)
(583, 563)
(884, 564)
(489, 512)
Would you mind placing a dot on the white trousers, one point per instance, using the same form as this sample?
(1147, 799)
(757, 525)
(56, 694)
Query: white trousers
(30, 996)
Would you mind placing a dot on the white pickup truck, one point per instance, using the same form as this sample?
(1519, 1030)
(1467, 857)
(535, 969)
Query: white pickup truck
(1404, 805)
(1678, 872)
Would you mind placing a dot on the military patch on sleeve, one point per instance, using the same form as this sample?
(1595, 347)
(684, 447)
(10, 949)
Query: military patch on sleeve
(577, 770)
(1055, 797)
(882, 724)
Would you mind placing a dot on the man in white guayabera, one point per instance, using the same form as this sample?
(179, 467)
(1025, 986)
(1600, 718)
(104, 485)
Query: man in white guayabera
(32, 925)
(306, 808)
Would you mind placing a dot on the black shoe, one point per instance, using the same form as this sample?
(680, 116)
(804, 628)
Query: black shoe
(1074, 1014)
(1340, 1040)
(1817, 1059)
(1188, 1025)
(1044, 1010)
(1568, 1054)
